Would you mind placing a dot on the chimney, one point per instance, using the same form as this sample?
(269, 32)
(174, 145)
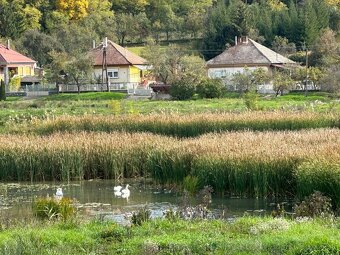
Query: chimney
(8, 44)
(94, 44)
(235, 40)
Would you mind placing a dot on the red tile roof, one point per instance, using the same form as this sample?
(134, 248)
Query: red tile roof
(116, 55)
(9, 56)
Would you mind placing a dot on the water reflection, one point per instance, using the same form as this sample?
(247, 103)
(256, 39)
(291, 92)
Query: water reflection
(97, 198)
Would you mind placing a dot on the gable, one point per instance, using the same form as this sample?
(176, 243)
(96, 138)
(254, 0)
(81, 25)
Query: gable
(116, 55)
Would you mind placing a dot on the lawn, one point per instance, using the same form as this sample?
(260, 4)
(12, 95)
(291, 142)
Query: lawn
(246, 235)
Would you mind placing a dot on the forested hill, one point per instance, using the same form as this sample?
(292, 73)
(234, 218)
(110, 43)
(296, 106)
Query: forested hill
(39, 27)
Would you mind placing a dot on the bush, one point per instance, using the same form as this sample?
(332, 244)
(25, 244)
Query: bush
(251, 100)
(50, 208)
(315, 205)
(182, 89)
(14, 84)
(141, 216)
(2, 91)
(211, 88)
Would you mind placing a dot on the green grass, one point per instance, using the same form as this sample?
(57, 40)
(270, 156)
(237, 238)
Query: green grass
(244, 236)
(105, 103)
(85, 96)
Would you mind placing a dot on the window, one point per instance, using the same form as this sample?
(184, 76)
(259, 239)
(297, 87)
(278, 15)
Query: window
(113, 73)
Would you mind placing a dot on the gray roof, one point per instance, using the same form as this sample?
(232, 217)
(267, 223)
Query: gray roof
(251, 53)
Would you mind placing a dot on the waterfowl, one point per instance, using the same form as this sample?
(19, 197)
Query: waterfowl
(126, 191)
(118, 193)
(117, 188)
(59, 193)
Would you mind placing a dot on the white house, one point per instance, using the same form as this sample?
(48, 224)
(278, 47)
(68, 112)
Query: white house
(250, 54)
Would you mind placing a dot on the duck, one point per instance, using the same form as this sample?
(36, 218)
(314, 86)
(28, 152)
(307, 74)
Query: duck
(59, 193)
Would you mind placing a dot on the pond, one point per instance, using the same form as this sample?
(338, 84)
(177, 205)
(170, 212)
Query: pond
(95, 198)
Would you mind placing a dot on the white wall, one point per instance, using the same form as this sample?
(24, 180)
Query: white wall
(224, 72)
(123, 74)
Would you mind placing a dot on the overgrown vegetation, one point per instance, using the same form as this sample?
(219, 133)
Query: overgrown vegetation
(53, 208)
(246, 163)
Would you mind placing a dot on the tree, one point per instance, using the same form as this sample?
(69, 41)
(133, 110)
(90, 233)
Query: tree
(324, 51)
(243, 80)
(56, 68)
(32, 17)
(79, 68)
(240, 16)
(12, 20)
(315, 74)
(2, 91)
(133, 7)
(248, 80)
(282, 81)
(282, 46)
(74, 9)
(172, 64)
(38, 45)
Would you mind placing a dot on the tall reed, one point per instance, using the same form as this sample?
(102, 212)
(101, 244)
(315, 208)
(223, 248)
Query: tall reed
(185, 125)
(239, 163)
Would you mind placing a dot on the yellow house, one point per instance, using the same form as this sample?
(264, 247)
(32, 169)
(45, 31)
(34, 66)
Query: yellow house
(13, 63)
(124, 68)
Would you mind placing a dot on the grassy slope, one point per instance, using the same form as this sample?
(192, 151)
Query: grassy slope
(245, 236)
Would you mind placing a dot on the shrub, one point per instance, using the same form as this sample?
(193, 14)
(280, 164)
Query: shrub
(14, 84)
(182, 89)
(50, 208)
(211, 88)
(251, 100)
(2, 91)
(141, 216)
(315, 205)
(190, 184)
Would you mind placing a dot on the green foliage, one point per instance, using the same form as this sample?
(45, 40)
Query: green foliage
(251, 100)
(182, 89)
(319, 175)
(190, 184)
(245, 235)
(113, 232)
(51, 208)
(2, 91)
(315, 205)
(211, 88)
(14, 84)
(143, 215)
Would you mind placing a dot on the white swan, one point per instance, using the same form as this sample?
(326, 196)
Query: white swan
(126, 191)
(118, 193)
(59, 193)
(117, 188)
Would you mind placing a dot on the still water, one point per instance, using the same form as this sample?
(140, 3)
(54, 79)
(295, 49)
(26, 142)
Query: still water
(95, 198)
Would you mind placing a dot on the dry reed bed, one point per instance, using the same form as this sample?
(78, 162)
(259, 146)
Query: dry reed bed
(188, 125)
(241, 163)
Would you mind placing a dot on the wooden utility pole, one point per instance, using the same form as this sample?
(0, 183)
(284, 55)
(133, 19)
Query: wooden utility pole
(104, 66)
(306, 88)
